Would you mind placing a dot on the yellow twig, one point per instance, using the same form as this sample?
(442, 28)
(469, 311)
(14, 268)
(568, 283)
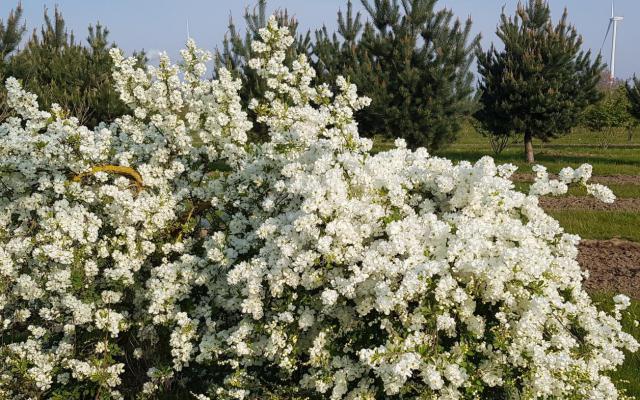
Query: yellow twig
(114, 169)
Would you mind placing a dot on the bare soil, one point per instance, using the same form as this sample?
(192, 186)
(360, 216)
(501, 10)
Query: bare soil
(613, 265)
(588, 203)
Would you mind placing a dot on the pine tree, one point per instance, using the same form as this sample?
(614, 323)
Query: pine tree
(542, 81)
(60, 70)
(413, 62)
(343, 56)
(11, 33)
(236, 52)
(633, 93)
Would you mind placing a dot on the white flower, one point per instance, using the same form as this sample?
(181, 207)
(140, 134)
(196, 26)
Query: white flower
(601, 192)
(111, 297)
(329, 297)
(109, 320)
(622, 301)
(432, 377)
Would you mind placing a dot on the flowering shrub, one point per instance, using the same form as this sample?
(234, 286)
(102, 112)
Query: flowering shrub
(164, 253)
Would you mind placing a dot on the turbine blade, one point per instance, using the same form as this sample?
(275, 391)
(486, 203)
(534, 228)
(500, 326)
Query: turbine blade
(606, 35)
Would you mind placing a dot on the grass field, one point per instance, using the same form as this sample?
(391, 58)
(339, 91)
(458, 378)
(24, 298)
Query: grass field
(621, 158)
(600, 225)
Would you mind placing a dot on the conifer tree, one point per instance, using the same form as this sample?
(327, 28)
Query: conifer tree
(339, 53)
(412, 61)
(541, 82)
(11, 33)
(633, 93)
(60, 70)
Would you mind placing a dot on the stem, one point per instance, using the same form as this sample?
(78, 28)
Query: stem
(114, 169)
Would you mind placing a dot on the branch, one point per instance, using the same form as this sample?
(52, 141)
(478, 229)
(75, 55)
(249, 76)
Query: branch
(114, 169)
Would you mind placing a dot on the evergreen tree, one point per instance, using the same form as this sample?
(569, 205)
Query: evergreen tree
(11, 33)
(542, 81)
(334, 57)
(236, 52)
(60, 70)
(412, 61)
(633, 93)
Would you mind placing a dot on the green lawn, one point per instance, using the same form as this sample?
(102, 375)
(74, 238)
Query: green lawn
(609, 161)
(574, 149)
(600, 225)
(578, 137)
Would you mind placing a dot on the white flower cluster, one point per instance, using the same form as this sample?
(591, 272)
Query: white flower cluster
(164, 248)
(544, 186)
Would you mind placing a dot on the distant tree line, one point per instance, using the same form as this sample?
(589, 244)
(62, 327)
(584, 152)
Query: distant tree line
(411, 58)
(633, 92)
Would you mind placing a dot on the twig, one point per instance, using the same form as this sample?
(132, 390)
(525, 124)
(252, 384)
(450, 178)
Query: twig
(114, 169)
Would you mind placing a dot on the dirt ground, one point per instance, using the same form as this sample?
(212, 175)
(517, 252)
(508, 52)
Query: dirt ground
(614, 266)
(589, 203)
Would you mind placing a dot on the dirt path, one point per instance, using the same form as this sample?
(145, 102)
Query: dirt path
(614, 266)
(589, 203)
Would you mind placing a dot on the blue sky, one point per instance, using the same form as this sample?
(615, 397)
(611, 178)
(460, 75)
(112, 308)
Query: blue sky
(162, 24)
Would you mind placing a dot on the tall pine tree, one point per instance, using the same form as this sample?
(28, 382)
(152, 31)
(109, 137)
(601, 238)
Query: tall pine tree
(339, 53)
(413, 62)
(11, 33)
(541, 82)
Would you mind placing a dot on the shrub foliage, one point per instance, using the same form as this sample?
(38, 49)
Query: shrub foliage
(610, 114)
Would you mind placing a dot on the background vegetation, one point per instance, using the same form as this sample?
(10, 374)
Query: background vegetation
(53, 65)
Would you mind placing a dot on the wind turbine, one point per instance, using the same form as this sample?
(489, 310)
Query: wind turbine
(613, 21)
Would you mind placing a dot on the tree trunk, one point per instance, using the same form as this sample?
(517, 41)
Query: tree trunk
(528, 148)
